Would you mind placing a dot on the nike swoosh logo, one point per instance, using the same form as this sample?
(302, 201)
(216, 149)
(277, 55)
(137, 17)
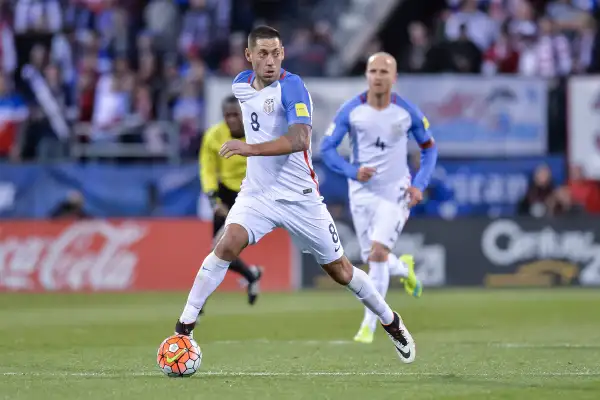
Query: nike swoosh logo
(405, 355)
(336, 250)
(175, 357)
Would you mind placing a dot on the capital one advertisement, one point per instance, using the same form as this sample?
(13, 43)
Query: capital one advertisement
(125, 255)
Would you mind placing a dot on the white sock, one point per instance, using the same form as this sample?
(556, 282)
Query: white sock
(380, 276)
(397, 267)
(209, 277)
(363, 288)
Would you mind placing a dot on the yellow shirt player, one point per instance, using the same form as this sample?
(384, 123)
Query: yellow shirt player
(221, 179)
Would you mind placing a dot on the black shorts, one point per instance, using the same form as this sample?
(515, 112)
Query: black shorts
(227, 197)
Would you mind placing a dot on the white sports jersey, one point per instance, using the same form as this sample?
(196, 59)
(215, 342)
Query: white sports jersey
(379, 139)
(267, 115)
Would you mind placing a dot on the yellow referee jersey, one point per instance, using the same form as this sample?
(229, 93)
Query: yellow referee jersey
(214, 168)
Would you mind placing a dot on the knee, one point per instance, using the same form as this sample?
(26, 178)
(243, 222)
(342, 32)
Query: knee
(232, 242)
(379, 253)
(340, 270)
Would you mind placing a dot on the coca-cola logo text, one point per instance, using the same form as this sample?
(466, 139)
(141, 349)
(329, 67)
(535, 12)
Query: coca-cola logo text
(92, 255)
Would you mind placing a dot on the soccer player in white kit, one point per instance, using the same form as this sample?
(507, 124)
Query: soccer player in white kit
(281, 188)
(381, 193)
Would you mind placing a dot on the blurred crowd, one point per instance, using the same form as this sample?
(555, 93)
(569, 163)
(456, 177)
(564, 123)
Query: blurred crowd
(544, 198)
(98, 72)
(547, 38)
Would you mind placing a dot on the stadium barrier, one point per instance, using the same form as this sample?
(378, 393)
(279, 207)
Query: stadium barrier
(125, 255)
(481, 187)
(515, 252)
(162, 255)
(110, 190)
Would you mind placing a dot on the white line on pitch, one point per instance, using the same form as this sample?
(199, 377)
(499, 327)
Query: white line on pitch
(301, 374)
(541, 345)
(296, 342)
(375, 373)
(349, 342)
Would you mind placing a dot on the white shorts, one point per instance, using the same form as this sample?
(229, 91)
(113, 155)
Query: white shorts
(377, 220)
(309, 223)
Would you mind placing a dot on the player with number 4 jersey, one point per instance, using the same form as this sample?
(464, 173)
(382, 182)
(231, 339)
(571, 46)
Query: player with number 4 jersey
(281, 188)
(379, 123)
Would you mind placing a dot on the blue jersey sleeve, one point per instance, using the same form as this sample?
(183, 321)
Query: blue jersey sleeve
(419, 129)
(243, 77)
(333, 137)
(296, 101)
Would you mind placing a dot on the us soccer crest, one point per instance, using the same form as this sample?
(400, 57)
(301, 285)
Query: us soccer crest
(398, 128)
(269, 105)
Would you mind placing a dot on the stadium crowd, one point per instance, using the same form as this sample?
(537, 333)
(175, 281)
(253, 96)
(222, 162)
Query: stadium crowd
(545, 198)
(525, 37)
(104, 69)
(100, 71)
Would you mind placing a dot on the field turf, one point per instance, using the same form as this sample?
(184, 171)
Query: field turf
(472, 344)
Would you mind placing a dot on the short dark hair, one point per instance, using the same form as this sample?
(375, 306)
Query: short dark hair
(262, 32)
(231, 99)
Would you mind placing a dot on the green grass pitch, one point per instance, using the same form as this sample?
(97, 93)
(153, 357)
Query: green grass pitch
(471, 344)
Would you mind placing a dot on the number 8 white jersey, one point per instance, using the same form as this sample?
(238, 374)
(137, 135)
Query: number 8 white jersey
(267, 115)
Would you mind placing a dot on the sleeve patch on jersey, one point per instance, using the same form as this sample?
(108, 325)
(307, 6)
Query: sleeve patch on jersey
(330, 130)
(425, 123)
(301, 110)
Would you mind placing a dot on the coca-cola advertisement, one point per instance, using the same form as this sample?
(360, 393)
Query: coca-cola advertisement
(125, 255)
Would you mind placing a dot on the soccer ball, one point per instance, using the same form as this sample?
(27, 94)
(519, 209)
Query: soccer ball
(179, 356)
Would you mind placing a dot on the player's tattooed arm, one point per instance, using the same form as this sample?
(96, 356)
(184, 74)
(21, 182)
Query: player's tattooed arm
(299, 137)
(296, 139)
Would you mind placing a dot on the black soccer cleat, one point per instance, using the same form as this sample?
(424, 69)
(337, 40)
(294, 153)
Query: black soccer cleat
(403, 341)
(254, 286)
(184, 329)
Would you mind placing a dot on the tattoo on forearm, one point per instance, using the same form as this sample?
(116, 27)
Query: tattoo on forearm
(299, 137)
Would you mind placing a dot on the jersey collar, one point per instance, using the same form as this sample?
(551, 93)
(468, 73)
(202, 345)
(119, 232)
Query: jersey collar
(252, 76)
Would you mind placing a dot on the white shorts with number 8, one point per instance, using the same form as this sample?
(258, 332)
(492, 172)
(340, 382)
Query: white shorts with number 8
(309, 223)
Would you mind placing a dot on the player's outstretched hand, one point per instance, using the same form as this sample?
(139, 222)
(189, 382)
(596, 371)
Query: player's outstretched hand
(235, 147)
(365, 173)
(415, 196)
